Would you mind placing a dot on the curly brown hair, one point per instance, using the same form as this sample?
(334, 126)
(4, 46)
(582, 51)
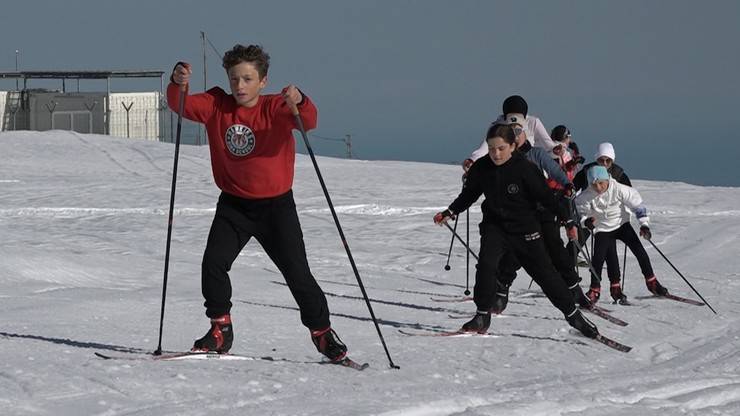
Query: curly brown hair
(253, 54)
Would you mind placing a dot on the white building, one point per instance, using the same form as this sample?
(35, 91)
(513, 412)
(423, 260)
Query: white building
(130, 114)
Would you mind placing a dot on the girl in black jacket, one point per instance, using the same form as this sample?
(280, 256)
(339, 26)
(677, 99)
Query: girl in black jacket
(512, 187)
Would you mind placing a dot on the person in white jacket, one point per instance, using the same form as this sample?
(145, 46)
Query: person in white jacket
(514, 110)
(605, 208)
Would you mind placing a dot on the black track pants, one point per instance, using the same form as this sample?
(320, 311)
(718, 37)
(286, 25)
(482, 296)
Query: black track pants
(561, 259)
(531, 253)
(604, 241)
(612, 259)
(274, 223)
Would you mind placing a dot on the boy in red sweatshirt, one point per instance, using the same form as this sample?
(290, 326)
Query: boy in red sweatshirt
(252, 148)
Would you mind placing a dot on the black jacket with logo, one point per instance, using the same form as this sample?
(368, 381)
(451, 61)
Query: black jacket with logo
(512, 192)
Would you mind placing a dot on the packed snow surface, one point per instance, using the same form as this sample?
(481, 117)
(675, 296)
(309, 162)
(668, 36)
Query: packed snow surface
(83, 226)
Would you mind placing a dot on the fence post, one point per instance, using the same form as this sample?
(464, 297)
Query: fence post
(127, 117)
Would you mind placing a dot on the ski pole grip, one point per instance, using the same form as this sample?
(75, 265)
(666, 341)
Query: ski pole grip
(293, 107)
(183, 88)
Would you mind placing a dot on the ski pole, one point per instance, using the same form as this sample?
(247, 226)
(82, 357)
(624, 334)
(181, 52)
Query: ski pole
(624, 266)
(467, 259)
(682, 277)
(460, 240)
(301, 128)
(593, 239)
(590, 266)
(181, 107)
(449, 253)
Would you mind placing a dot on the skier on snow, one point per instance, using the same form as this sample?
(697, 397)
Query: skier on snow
(512, 187)
(605, 208)
(605, 156)
(564, 155)
(550, 227)
(253, 155)
(516, 107)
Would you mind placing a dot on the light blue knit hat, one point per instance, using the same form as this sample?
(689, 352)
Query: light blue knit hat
(597, 173)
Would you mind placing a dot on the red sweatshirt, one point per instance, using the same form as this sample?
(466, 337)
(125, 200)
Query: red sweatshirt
(252, 149)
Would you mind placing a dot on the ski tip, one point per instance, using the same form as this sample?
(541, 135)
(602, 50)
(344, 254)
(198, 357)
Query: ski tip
(348, 362)
(613, 344)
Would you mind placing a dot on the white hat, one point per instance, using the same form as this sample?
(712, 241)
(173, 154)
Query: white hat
(516, 118)
(605, 149)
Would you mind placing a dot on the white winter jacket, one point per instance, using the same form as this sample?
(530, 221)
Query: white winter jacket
(536, 135)
(612, 208)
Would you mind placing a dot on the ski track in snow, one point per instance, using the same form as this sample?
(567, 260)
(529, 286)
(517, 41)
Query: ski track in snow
(83, 226)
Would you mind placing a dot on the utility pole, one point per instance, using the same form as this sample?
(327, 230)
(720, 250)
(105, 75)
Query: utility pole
(16, 68)
(203, 41)
(348, 142)
(205, 82)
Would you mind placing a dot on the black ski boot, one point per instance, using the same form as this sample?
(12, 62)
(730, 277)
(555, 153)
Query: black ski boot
(579, 322)
(480, 323)
(328, 343)
(655, 287)
(578, 296)
(218, 339)
(615, 289)
(501, 299)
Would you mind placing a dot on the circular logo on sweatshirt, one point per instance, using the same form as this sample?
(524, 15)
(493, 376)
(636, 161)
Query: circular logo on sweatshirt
(240, 140)
(512, 188)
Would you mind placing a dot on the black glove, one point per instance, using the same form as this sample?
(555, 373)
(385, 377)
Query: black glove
(645, 232)
(589, 223)
(569, 190)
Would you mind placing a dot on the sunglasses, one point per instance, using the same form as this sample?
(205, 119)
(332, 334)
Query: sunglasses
(517, 131)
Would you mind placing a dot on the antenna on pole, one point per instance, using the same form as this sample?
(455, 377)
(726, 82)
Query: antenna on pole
(203, 44)
(348, 142)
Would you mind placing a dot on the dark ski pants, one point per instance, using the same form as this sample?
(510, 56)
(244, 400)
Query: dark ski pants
(603, 241)
(564, 263)
(612, 259)
(531, 253)
(274, 223)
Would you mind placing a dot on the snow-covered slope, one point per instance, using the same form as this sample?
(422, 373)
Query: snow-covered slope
(83, 223)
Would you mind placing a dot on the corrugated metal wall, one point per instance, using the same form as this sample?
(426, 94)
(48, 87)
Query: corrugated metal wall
(135, 115)
(143, 115)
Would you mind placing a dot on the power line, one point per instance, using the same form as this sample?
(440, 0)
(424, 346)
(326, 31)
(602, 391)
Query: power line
(327, 138)
(347, 140)
(220, 56)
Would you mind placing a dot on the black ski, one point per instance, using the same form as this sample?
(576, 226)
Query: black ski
(456, 299)
(602, 313)
(682, 299)
(187, 355)
(612, 343)
(348, 362)
(464, 334)
(457, 333)
(673, 297)
(194, 355)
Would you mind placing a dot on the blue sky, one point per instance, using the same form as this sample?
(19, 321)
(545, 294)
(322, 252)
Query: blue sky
(421, 80)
